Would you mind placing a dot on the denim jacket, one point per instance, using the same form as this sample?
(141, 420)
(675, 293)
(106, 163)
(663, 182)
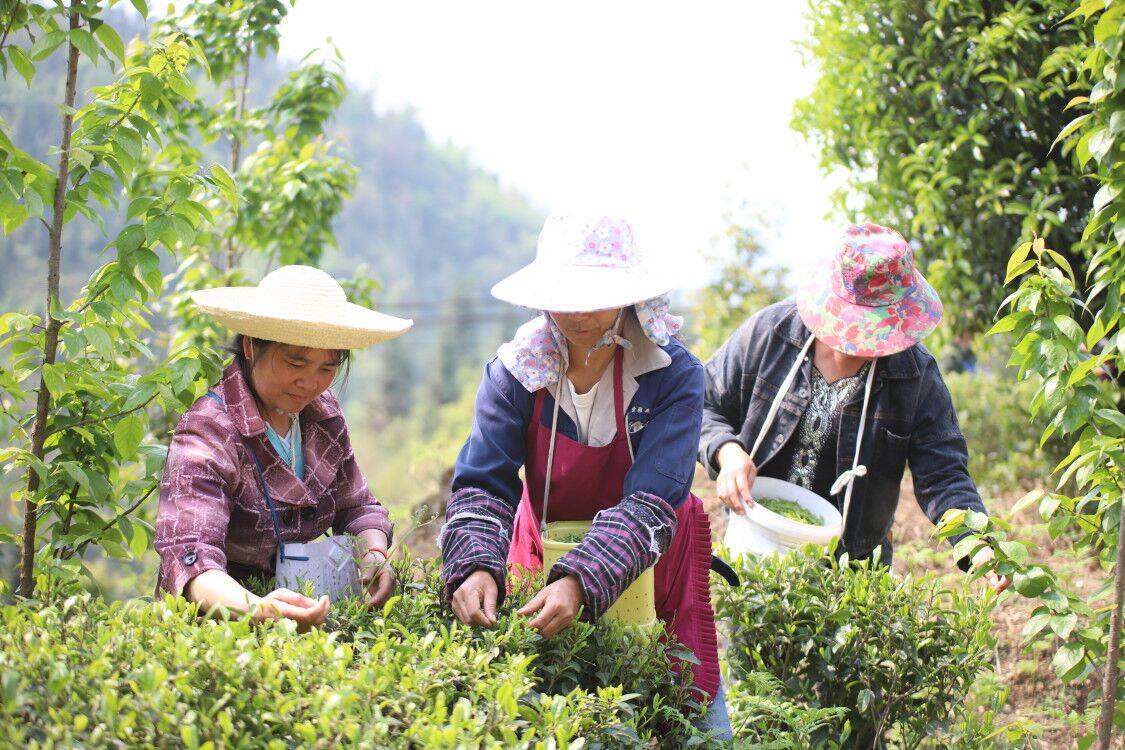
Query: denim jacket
(911, 420)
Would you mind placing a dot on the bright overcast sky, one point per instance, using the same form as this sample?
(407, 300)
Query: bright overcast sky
(672, 114)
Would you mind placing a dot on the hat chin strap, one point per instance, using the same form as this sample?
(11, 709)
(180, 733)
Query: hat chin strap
(611, 336)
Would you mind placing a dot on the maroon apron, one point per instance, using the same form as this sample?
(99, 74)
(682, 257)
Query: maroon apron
(585, 480)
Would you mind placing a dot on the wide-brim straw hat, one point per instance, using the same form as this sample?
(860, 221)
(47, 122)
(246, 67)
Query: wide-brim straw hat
(868, 299)
(300, 306)
(585, 263)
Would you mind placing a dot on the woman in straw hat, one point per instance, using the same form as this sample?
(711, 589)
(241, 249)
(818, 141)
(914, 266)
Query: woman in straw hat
(601, 408)
(264, 459)
(834, 393)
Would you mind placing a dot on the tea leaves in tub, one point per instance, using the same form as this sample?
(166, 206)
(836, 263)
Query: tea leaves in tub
(791, 510)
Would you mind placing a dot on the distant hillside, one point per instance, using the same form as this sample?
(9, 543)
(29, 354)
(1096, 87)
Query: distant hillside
(428, 224)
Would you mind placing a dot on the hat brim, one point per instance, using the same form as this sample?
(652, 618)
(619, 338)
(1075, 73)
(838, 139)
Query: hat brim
(339, 325)
(864, 330)
(571, 289)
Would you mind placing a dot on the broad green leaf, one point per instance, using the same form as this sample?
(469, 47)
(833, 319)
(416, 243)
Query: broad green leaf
(1018, 270)
(100, 339)
(967, 547)
(1004, 325)
(46, 44)
(1071, 126)
(1031, 583)
(1062, 625)
(78, 474)
(1027, 500)
(1062, 262)
(128, 433)
(155, 228)
(130, 238)
(22, 64)
(140, 394)
(85, 42)
(1069, 328)
(1113, 416)
(1035, 624)
(53, 378)
(1068, 661)
(1014, 551)
(225, 182)
(1019, 256)
(111, 40)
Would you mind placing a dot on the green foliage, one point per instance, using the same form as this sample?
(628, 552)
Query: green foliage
(742, 286)
(80, 671)
(1068, 334)
(942, 113)
(1004, 455)
(897, 654)
(763, 716)
(79, 439)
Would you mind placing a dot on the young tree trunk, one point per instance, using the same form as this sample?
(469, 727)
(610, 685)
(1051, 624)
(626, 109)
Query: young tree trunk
(1113, 654)
(51, 338)
(236, 142)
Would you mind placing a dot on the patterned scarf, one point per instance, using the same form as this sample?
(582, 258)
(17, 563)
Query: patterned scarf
(534, 355)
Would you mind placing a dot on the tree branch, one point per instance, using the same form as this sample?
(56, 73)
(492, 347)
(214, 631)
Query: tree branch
(69, 552)
(51, 338)
(236, 139)
(1112, 674)
(96, 420)
(8, 28)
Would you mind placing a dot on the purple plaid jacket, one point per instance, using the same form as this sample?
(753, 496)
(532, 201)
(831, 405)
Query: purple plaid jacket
(213, 513)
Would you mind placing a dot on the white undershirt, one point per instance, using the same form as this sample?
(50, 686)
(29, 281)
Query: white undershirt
(583, 407)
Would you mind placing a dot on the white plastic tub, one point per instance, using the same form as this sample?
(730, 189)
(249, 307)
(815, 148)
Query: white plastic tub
(763, 532)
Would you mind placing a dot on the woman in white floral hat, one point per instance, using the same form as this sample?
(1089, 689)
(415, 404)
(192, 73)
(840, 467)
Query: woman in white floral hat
(601, 408)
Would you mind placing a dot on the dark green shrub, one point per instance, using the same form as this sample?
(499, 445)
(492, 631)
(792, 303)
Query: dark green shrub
(84, 672)
(898, 654)
(1004, 451)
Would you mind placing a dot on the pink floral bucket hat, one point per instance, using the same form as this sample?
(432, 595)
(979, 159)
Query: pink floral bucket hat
(869, 300)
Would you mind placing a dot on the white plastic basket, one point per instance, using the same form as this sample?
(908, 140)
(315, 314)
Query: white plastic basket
(763, 532)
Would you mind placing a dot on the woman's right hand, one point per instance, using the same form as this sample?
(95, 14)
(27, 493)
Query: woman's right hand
(737, 473)
(290, 605)
(474, 601)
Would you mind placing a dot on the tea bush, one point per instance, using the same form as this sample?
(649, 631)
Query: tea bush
(84, 672)
(896, 655)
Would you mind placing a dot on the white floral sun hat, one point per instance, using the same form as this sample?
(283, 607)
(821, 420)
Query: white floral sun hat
(585, 263)
(300, 306)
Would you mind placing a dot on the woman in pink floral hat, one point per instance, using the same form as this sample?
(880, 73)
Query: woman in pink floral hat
(832, 391)
(599, 407)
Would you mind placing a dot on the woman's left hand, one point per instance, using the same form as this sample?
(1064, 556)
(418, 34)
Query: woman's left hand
(378, 578)
(557, 603)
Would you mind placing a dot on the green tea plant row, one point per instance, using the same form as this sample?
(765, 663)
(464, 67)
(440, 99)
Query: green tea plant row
(821, 654)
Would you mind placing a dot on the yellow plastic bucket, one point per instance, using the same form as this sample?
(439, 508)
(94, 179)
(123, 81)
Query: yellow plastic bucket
(636, 606)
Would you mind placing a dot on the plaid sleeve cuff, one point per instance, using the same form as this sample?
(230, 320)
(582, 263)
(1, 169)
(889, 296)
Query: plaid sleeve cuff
(372, 516)
(179, 563)
(476, 536)
(622, 543)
